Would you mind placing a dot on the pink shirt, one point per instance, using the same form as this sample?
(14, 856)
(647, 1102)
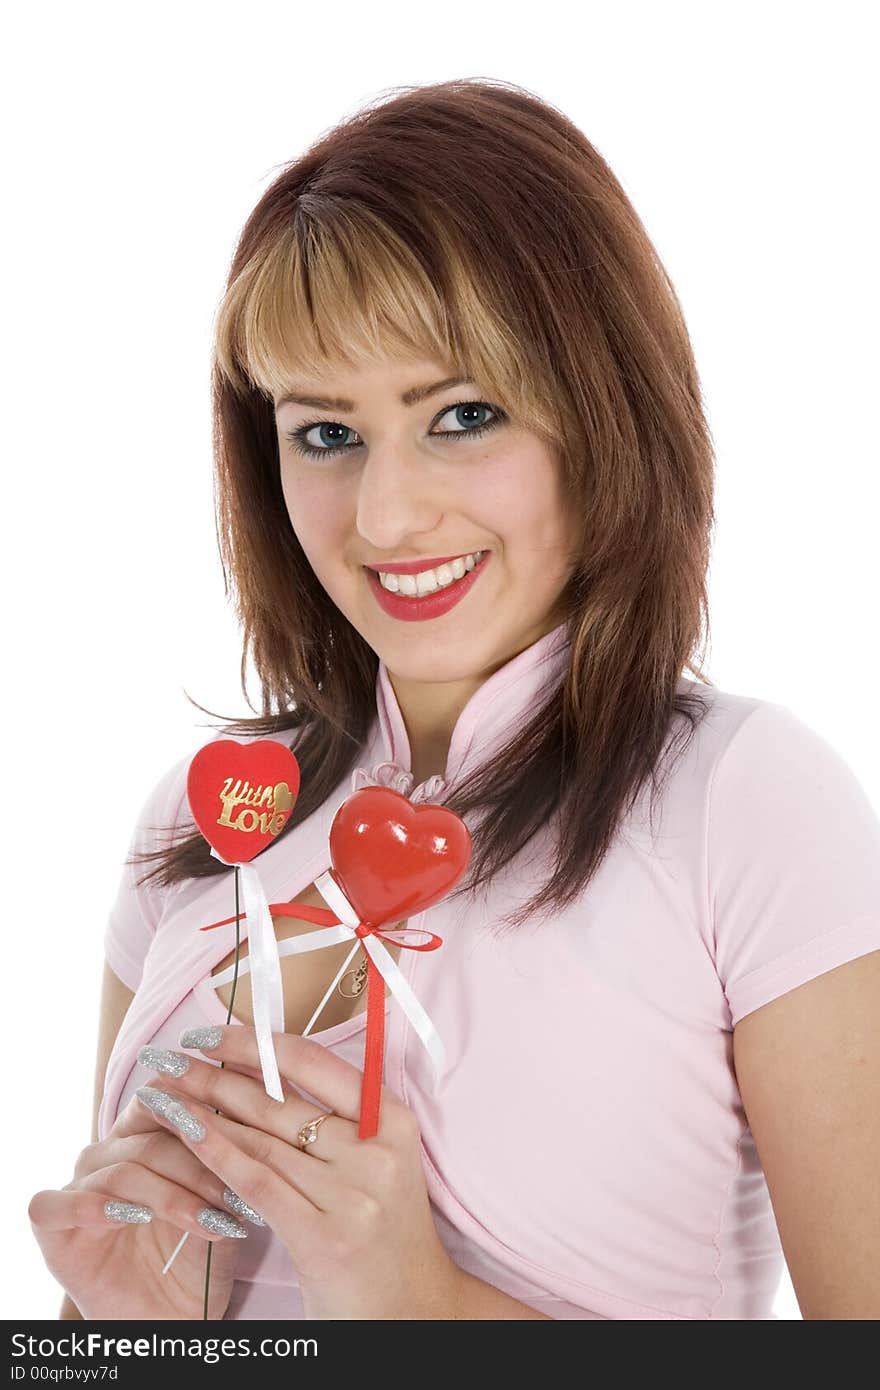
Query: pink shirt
(586, 1150)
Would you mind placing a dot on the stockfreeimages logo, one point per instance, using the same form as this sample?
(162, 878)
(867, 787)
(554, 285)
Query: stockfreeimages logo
(95, 1344)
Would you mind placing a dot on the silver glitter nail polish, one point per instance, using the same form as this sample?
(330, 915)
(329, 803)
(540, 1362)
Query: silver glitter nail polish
(127, 1211)
(205, 1037)
(172, 1110)
(162, 1059)
(220, 1223)
(238, 1204)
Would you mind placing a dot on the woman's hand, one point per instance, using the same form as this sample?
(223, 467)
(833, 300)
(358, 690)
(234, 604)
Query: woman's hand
(113, 1269)
(353, 1213)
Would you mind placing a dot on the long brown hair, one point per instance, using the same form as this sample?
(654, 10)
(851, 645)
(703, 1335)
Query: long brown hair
(471, 222)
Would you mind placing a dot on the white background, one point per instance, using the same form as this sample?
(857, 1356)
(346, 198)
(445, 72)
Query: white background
(136, 143)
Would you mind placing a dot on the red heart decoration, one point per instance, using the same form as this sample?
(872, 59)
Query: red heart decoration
(392, 858)
(241, 795)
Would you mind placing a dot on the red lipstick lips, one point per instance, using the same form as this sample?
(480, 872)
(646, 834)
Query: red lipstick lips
(416, 609)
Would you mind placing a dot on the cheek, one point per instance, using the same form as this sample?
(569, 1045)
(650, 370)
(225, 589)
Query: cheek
(519, 498)
(315, 521)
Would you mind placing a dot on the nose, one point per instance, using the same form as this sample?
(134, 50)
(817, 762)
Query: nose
(396, 500)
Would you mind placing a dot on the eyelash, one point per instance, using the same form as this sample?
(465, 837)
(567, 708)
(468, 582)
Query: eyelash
(297, 437)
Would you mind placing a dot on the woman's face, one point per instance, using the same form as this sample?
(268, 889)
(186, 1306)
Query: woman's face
(405, 487)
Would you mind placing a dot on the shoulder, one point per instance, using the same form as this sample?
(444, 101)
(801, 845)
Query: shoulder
(745, 744)
(706, 728)
(779, 791)
(722, 715)
(773, 767)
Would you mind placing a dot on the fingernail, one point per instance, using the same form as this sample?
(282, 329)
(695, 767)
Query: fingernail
(162, 1059)
(127, 1211)
(238, 1204)
(173, 1111)
(220, 1223)
(201, 1038)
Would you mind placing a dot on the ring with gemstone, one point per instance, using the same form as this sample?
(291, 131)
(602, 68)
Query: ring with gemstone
(309, 1132)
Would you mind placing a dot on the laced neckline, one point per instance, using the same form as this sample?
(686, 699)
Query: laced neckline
(391, 774)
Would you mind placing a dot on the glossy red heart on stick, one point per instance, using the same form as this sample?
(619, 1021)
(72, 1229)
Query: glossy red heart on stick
(241, 795)
(393, 858)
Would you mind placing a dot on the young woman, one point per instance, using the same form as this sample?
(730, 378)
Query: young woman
(465, 499)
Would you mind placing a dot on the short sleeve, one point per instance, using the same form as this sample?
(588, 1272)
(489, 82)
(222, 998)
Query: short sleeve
(136, 912)
(793, 859)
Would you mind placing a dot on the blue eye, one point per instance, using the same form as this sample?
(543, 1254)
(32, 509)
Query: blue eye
(327, 428)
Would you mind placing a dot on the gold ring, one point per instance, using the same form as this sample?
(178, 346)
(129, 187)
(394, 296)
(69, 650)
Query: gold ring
(309, 1132)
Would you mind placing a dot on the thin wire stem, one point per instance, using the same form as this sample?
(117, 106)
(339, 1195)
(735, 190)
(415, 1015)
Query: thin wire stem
(339, 974)
(216, 1111)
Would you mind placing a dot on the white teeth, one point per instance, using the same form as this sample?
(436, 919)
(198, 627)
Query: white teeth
(429, 580)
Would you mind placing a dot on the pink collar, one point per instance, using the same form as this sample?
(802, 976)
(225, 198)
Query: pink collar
(504, 701)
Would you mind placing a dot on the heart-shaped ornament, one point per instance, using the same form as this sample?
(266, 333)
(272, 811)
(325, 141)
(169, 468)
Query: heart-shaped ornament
(241, 795)
(393, 858)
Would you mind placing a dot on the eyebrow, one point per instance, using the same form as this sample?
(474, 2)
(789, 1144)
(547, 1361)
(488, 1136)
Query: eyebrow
(410, 397)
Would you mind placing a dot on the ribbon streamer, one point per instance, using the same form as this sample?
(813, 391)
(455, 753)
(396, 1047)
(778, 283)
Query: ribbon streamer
(380, 966)
(267, 990)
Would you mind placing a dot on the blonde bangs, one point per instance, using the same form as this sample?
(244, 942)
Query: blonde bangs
(347, 291)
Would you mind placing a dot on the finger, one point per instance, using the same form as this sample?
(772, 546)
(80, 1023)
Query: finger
(133, 1121)
(137, 1132)
(161, 1063)
(169, 1201)
(67, 1208)
(243, 1098)
(281, 1182)
(302, 1061)
(164, 1154)
(308, 1065)
(136, 1118)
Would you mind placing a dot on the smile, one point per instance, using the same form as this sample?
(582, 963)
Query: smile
(417, 607)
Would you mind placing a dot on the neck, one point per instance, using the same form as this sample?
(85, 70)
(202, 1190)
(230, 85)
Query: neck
(431, 710)
(430, 714)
